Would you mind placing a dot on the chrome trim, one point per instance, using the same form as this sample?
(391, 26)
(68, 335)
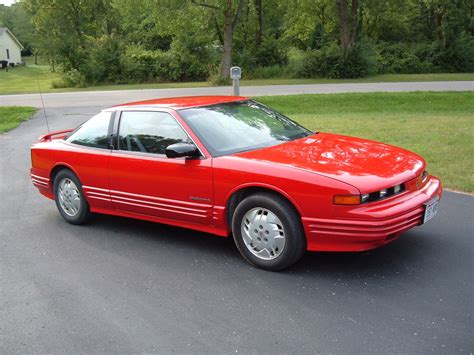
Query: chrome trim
(94, 188)
(100, 198)
(160, 198)
(157, 204)
(160, 209)
(38, 177)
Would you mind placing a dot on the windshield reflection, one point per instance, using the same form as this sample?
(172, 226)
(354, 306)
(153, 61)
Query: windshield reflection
(241, 126)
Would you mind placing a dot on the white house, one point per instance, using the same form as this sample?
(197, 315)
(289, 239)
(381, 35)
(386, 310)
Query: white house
(10, 47)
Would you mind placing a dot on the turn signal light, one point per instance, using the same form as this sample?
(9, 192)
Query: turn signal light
(347, 199)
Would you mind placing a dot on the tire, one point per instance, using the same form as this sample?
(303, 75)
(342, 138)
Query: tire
(268, 232)
(69, 197)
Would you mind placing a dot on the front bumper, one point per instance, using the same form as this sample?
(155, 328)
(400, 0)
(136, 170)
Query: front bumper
(371, 225)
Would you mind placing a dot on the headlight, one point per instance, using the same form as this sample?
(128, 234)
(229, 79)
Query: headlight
(397, 189)
(424, 176)
(371, 197)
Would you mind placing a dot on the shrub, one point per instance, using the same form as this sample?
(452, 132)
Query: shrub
(59, 84)
(275, 71)
(73, 78)
(402, 58)
(270, 53)
(334, 62)
(188, 63)
(296, 60)
(458, 57)
(104, 60)
(139, 64)
(248, 55)
(214, 78)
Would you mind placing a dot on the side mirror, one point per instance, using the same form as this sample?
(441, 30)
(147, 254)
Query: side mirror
(179, 150)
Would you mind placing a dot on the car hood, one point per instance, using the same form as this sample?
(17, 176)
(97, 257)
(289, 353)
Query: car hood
(364, 164)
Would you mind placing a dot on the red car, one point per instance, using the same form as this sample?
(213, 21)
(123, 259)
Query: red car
(228, 165)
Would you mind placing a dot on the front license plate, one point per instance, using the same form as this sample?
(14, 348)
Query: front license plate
(431, 208)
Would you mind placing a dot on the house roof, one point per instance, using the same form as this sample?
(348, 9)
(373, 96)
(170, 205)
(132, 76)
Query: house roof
(6, 30)
(185, 102)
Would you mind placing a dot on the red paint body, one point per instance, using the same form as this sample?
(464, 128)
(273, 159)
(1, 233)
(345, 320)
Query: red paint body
(195, 193)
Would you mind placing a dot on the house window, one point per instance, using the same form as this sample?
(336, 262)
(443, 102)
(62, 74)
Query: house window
(8, 53)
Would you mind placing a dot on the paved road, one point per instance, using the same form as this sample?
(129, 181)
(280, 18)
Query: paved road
(109, 98)
(125, 286)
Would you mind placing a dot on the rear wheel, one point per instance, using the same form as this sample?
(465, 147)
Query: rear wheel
(268, 232)
(69, 197)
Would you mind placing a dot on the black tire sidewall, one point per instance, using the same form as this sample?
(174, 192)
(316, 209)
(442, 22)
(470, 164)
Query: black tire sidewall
(295, 243)
(83, 213)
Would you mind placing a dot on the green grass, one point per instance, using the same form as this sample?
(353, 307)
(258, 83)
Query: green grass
(385, 78)
(438, 126)
(12, 116)
(23, 80)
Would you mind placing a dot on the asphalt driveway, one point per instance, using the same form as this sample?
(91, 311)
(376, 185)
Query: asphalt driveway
(121, 286)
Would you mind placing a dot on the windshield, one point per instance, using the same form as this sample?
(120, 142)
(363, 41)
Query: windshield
(240, 126)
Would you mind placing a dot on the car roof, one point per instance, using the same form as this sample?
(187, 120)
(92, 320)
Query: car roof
(183, 102)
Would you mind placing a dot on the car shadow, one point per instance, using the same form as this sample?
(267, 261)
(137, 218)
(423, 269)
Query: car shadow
(402, 256)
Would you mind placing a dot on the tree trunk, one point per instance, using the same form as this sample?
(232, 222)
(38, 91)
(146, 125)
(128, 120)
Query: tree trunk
(343, 24)
(227, 53)
(348, 22)
(259, 13)
(230, 23)
(355, 21)
(439, 32)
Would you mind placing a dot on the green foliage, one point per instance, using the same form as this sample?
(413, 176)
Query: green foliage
(103, 64)
(141, 65)
(402, 58)
(459, 57)
(139, 41)
(334, 62)
(74, 78)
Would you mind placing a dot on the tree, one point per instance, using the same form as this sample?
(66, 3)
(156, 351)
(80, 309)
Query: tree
(348, 15)
(64, 27)
(259, 15)
(231, 14)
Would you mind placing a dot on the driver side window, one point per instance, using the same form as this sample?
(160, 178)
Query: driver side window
(149, 132)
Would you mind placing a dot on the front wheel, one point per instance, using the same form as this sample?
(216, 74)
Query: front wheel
(268, 232)
(69, 197)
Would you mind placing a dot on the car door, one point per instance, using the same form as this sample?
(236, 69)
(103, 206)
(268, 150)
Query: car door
(89, 157)
(143, 180)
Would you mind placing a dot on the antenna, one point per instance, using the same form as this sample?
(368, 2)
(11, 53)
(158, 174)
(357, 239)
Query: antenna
(42, 103)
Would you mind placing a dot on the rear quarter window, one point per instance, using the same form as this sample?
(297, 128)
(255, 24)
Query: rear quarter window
(93, 133)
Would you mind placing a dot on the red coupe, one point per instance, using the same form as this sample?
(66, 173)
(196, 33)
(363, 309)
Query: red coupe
(230, 166)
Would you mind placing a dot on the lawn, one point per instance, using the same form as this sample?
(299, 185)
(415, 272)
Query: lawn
(438, 126)
(12, 116)
(24, 80)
